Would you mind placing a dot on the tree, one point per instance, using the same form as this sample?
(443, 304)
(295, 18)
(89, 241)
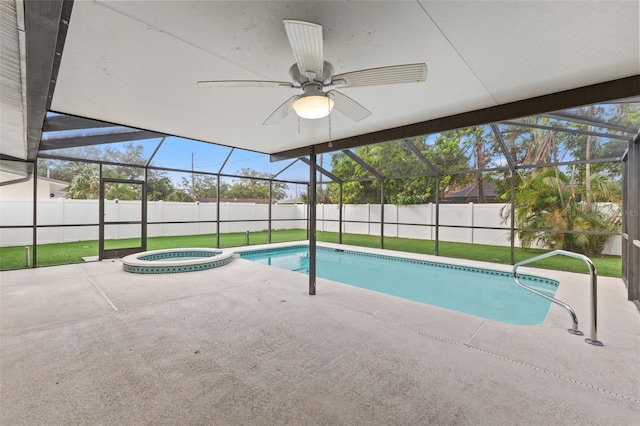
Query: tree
(571, 198)
(67, 170)
(396, 159)
(179, 195)
(481, 144)
(121, 191)
(85, 185)
(324, 194)
(159, 186)
(255, 186)
(84, 178)
(548, 199)
(591, 147)
(199, 187)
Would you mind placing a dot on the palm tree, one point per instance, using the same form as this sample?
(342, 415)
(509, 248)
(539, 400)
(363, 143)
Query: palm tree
(85, 185)
(551, 200)
(121, 191)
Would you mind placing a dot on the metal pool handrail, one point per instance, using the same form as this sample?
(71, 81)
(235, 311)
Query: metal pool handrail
(594, 292)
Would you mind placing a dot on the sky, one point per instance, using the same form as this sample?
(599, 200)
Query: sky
(179, 153)
(184, 153)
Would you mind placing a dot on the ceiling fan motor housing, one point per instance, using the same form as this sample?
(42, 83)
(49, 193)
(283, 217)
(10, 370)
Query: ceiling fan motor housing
(302, 78)
(312, 89)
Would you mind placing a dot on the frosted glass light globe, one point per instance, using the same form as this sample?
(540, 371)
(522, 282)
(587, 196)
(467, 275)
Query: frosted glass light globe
(313, 106)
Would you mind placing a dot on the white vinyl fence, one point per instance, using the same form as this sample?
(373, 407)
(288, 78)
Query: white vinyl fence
(357, 219)
(412, 219)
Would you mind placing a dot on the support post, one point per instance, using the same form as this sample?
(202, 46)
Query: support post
(308, 204)
(511, 162)
(269, 211)
(224, 163)
(218, 211)
(632, 220)
(35, 213)
(340, 217)
(381, 213)
(312, 222)
(101, 216)
(144, 212)
(625, 207)
(437, 215)
(513, 216)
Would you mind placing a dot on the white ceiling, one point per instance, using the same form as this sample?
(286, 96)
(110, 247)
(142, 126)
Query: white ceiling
(136, 63)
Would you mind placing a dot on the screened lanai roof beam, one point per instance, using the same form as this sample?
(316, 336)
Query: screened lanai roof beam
(361, 180)
(6, 157)
(421, 156)
(408, 176)
(601, 92)
(322, 170)
(47, 23)
(155, 151)
(625, 154)
(362, 164)
(90, 161)
(590, 122)
(72, 142)
(224, 163)
(59, 123)
(471, 171)
(285, 168)
(503, 146)
(569, 163)
(565, 130)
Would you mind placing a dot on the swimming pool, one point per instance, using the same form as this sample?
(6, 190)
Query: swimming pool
(482, 292)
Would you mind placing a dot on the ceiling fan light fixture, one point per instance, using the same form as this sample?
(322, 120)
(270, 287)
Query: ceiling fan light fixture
(313, 106)
(313, 75)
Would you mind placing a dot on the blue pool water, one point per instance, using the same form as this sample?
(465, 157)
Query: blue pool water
(482, 292)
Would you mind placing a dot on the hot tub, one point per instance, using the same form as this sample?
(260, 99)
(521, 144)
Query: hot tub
(171, 261)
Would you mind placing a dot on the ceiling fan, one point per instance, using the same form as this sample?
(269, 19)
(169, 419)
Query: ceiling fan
(313, 74)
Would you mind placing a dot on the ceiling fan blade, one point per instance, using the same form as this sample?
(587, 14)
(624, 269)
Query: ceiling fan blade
(305, 39)
(348, 106)
(281, 112)
(409, 73)
(244, 83)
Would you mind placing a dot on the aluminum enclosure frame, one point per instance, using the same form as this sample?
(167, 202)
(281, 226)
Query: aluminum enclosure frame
(62, 123)
(631, 221)
(44, 52)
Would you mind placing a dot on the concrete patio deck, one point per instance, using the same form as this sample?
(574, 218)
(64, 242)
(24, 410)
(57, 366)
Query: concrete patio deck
(245, 344)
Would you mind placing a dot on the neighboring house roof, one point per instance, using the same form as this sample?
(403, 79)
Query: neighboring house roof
(233, 200)
(296, 200)
(471, 191)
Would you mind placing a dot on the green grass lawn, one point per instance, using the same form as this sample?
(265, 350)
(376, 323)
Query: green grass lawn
(56, 254)
(610, 266)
